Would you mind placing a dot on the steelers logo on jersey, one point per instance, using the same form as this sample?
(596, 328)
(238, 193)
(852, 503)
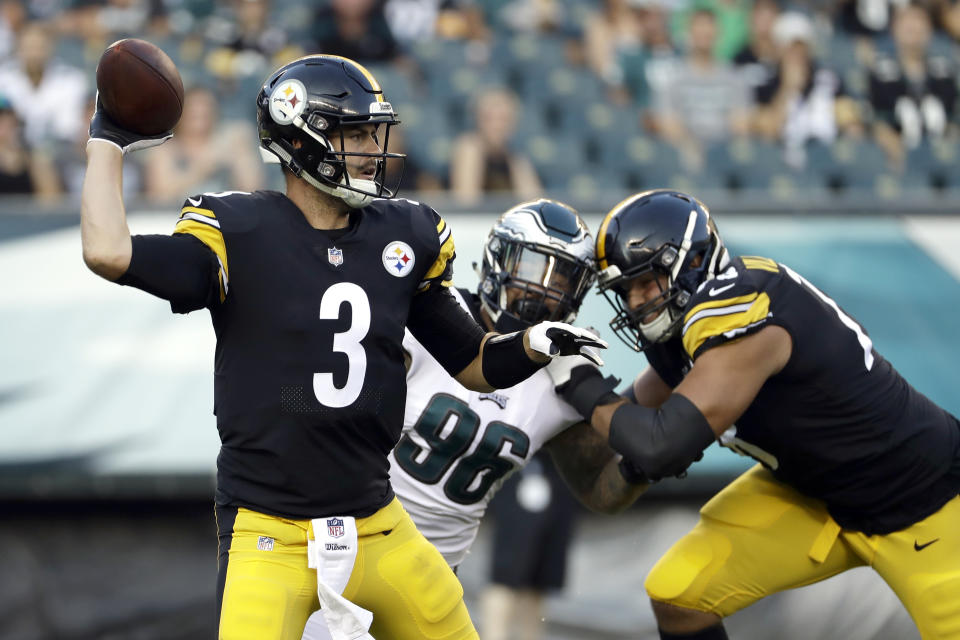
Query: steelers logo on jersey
(287, 101)
(398, 258)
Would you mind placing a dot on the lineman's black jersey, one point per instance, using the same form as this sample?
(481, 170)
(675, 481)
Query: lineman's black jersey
(309, 373)
(838, 422)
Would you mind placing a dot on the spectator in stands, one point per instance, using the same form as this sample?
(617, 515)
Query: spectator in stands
(914, 93)
(12, 17)
(355, 29)
(109, 20)
(610, 31)
(205, 154)
(947, 13)
(414, 21)
(247, 44)
(648, 66)
(22, 170)
(482, 160)
(47, 95)
(803, 101)
(703, 100)
(760, 56)
(732, 18)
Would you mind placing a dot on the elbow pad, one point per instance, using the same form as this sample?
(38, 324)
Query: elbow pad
(661, 442)
(505, 362)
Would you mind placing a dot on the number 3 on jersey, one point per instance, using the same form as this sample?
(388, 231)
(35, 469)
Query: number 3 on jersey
(347, 342)
(474, 474)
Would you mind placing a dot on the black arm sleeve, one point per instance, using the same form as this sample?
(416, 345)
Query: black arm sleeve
(178, 268)
(662, 442)
(445, 329)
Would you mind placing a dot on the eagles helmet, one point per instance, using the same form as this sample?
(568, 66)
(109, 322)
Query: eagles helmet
(664, 232)
(310, 100)
(537, 266)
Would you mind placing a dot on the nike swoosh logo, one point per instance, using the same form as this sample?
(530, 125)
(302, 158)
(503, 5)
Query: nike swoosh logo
(196, 202)
(921, 547)
(717, 290)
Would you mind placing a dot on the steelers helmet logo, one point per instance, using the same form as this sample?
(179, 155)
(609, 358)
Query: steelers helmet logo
(398, 258)
(288, 100)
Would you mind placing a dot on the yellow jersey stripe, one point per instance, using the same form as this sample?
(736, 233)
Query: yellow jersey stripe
(440, 264)
(207, 213)
(728, 320)
(210, 236)
(763, 264)
(721, 302)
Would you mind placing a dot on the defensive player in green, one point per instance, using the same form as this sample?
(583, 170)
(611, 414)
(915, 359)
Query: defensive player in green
(309, 293)
(856, 466)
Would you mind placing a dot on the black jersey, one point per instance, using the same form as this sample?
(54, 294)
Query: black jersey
(309, 373)
(838, 422)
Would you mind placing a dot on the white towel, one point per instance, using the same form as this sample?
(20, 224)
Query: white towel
(333, 552)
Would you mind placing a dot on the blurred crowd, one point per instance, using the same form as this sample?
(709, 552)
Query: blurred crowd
(578, 97)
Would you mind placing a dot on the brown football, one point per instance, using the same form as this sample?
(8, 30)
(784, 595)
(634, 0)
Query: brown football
(140, 87)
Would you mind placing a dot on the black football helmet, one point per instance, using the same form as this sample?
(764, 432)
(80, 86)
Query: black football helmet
(537, 265)
(312, 99)
(665, 232)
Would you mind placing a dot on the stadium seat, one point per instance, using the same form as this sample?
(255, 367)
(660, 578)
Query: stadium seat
(852, 167)
(933, 164)
(746, 164)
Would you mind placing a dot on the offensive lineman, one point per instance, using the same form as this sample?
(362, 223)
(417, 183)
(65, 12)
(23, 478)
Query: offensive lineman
(857, 467)
(309, 293)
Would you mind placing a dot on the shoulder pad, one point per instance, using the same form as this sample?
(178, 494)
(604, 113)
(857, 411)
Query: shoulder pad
(728, 306)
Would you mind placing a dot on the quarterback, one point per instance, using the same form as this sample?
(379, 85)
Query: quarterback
(309, 292)
(856, 467)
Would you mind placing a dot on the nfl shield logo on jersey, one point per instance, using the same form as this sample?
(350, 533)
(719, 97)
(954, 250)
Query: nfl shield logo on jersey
(335, 527)
(335, 256)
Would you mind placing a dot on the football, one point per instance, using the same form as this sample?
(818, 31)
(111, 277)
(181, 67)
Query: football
(140, 87)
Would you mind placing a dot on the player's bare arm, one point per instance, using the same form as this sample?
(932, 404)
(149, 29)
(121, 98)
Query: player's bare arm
(649, 389)
(724, 381)
(590, 468)
(720, 386)
(103, 223)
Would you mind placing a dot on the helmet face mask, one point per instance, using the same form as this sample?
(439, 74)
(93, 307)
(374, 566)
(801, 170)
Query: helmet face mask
(663, 235)
(304, 110)
(537, 266)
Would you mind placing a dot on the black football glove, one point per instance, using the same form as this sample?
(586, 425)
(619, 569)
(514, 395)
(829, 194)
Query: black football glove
(635, 475)
(632, 473)
(581, 384)
(561, 339)
(105, 129)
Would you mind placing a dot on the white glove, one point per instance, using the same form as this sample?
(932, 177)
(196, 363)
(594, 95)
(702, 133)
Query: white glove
(561, 367)
(560, 339)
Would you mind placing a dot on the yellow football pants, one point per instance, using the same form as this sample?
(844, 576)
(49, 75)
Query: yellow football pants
(758, 536)
(268, 592)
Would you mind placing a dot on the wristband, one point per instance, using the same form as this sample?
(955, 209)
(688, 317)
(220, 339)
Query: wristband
(505, 362)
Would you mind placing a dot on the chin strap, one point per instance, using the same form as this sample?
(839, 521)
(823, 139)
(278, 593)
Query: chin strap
(275, 154)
